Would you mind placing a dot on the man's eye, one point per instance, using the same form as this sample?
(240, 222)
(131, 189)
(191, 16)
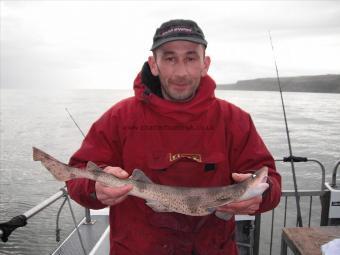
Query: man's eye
(191, 59)
(170, 59)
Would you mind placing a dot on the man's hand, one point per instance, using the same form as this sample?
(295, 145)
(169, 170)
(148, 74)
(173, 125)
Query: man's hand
(249, 206)
(112, 196)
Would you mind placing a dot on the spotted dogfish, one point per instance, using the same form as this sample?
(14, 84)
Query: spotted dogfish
(161, 198)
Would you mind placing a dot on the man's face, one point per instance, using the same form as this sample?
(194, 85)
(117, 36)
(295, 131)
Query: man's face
(180, 66)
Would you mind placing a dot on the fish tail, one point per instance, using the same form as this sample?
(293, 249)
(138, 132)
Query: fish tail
(60, 171)
(39, 155)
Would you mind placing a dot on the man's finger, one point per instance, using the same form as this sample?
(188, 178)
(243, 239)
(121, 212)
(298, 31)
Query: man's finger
(110, 201)
(115, 192)
(116, 171)
(252, 204)
(112, 196)
(240, 177)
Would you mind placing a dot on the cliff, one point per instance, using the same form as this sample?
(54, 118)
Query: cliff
(318, 84)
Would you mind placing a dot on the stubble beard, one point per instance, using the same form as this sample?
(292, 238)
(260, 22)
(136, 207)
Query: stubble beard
(172, 95)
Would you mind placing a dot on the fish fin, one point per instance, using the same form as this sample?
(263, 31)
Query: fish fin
(218, 203)
(90, 166)
(138, 175)
(157, 207)
(223, 215)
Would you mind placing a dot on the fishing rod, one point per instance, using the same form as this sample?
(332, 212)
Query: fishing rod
(75, 123)
(88, 219)
(291, 158)
(87, 211)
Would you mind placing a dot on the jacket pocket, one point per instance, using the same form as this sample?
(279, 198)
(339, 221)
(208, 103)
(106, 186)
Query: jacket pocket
(188, 169)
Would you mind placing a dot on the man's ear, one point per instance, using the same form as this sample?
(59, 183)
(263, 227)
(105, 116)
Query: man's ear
(153, 65)
(206, 64)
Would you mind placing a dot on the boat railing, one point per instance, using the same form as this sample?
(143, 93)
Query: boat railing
(334, 174)
(8, 227)
(315, 202)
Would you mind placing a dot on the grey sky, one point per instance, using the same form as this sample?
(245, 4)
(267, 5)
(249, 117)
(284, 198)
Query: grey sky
(103, 44)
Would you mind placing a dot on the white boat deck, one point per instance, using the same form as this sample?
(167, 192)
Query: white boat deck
(95, 237)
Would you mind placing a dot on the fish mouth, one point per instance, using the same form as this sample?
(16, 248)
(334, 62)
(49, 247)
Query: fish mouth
(262, 175)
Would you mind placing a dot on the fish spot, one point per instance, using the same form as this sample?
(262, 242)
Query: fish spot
(193, 202)
(211, 210)
(225, 198)
(96, 172)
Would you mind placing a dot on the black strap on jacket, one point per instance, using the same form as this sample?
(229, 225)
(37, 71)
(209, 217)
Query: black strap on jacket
(152, 82)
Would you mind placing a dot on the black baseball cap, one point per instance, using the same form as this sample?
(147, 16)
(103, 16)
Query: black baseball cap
(177, 30)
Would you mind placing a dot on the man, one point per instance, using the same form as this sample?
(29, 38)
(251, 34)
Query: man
(179, 134)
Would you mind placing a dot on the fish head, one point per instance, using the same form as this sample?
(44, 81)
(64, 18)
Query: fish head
(256, 183)
(260, 176)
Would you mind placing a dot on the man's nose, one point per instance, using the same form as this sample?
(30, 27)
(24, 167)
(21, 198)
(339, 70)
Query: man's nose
(180, 69)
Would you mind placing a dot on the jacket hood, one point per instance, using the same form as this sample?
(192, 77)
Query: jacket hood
(147, 88)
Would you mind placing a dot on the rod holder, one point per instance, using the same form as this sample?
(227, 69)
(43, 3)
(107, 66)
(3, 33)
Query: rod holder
(8, 227)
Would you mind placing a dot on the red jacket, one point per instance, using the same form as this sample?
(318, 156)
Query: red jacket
(197, 143)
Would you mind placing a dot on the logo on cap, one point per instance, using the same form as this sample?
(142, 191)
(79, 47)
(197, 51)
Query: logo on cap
(177, 30)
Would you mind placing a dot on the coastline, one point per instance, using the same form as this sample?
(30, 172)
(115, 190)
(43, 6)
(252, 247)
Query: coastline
(329, 83)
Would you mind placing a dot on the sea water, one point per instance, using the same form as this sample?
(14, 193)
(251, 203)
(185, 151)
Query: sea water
(38, 118)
